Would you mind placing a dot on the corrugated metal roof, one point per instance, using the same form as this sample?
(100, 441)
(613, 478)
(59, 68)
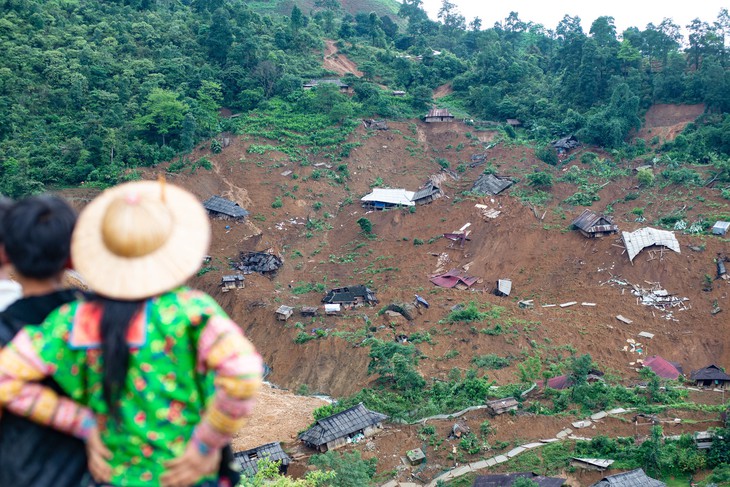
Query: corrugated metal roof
(452, 278)
(390, 196)
(350, 295)
(233, 278)
(249, 459)
(504, 286)
(218, 204)
(711, 372)
(284, 309)
(634, 478)
(589, 219)
(661, 367)
(720, 228)
(428, 190)
(490, 184)
(560, 382)
(439, 112)
(596, 462)
(638, 240)
(334, 81)
(507, 479)
(341, 424)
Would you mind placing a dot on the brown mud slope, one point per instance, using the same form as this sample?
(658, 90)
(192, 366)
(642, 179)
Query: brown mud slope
(336, 62)
(546, 261)
(442, 91)
(668, 121)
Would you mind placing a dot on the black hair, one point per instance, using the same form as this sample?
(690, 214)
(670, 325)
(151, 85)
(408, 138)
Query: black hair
(5, 204)
(37, 235)
(116, 319)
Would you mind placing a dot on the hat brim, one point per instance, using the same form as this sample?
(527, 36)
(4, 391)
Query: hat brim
(132, 278)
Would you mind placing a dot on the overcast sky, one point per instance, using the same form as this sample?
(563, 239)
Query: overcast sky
(626, 13)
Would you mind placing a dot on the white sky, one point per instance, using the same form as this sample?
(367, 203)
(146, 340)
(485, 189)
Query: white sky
(626, 13)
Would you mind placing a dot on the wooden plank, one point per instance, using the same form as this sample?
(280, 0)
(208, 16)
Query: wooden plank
(624, 319)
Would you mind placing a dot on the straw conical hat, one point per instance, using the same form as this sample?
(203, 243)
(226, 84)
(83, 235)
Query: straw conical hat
(140, 239)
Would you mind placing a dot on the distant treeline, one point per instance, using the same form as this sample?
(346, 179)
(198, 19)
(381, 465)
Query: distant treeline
(90, 89)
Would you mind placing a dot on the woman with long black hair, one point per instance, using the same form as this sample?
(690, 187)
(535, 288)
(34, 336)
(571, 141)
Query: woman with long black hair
(160, 376)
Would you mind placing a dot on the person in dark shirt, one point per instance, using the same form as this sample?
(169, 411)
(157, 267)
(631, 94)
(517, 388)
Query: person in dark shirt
(37, 237)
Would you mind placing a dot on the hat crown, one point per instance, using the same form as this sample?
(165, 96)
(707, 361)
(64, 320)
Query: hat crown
(136, 225)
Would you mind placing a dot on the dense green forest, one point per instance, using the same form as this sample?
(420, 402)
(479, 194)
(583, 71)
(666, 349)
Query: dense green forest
(90, 89)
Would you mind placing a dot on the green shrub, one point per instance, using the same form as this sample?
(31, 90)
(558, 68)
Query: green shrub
(547, 154)
(365, 225)
(645, 177)
(215, 146)
(540, 179)
(303, 337)
(491, 361)
(417, 241)
(277, 203)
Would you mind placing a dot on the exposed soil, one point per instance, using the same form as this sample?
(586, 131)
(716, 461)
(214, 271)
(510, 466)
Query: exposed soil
(442, 91)
(668, 121)
(545, 260)
(337, 62)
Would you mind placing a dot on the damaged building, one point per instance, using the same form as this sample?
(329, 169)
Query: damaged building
(264, 263)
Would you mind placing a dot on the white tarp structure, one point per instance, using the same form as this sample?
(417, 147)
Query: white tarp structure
(638, 240)
(387, 196)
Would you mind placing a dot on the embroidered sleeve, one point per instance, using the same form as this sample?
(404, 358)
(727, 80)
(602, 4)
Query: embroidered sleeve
(20, 366)
(238, 368)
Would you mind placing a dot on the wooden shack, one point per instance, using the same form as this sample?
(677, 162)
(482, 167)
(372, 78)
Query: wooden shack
(273, 452)
(220, 207)
(309, 311)
(501, 406)
(232, 281)
(438, 115)
(593, 225)
(711, 376)
(284, 312)
(342, 428)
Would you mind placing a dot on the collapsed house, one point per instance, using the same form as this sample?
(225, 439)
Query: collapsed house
(249, 459)
(593, 225)
(382, 198)
(262, 262)
(491, 184)
(351, 296)
(438, 115)
(564, 381)
(711, 376)
(219, 207)
(642, 238)
(309, 311)
(508, 479)
(427, 193)
(454, 278)
(633, 478)
(662, 367)
(342, 428)
(565, 144)
(232, 281)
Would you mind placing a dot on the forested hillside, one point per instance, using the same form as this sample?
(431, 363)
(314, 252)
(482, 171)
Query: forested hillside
(89, 90)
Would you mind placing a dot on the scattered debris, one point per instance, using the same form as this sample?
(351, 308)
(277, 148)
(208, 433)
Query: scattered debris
(309, 311)
(646, 334)
(487, 212)
(461, 235)
(399, 309)
(569, 303)
(581, 424)
(419, 301)
(655, 296)
(526, 303)
(287, 173)
(458, 430)
(591, 305)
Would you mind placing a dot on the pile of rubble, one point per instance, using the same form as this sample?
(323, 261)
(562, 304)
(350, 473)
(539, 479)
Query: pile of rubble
(264, 262)
(654, 296)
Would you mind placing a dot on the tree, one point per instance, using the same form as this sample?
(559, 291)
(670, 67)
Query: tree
(188, 133)
(421, 97)
(220, 35)
(365, 225)
(164, 113)
(267, 73)
(349, 468)
(209, 98)
(296, 19)
(450, 16)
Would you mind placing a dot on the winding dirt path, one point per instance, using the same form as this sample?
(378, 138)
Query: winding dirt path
(339, 63)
